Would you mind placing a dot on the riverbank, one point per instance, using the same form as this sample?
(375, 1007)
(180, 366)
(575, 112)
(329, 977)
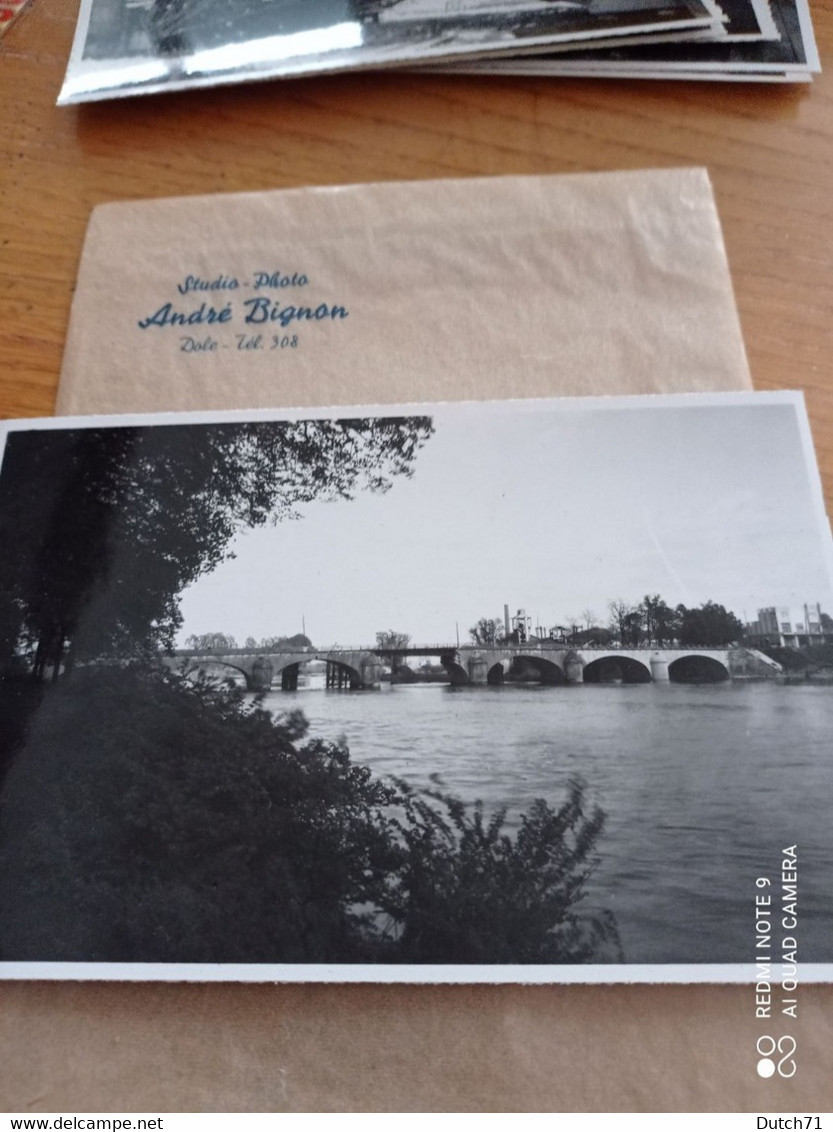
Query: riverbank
(691, 776)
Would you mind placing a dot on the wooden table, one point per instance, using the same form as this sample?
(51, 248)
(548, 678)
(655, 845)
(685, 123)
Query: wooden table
(769, 151)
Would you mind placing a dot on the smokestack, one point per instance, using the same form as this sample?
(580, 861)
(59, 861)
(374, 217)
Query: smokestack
(506, 619)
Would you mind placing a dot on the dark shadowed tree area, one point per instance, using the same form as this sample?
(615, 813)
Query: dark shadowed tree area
(103, 528)
(710, 624)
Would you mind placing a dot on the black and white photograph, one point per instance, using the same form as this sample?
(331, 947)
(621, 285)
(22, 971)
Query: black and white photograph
(745, 21)
(145, 46)
(526, 691)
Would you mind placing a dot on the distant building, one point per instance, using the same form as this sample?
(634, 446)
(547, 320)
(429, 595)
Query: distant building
(790, 627)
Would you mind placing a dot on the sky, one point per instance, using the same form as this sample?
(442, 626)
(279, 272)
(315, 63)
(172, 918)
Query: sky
(552, 507)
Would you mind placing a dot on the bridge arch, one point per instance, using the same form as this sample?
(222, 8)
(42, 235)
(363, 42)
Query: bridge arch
(196, 668)
(697, 668)
(457, 672)
(616, 669)
(342, 675)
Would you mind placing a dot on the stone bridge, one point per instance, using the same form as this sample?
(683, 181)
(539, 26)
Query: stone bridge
(599, 665)
(346, 668)
(544, 663)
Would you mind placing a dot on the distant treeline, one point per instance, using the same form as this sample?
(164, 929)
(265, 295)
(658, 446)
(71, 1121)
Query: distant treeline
(226, 642)
(650, 621)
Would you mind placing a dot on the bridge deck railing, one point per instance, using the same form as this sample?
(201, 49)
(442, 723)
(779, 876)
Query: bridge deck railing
(436, 649)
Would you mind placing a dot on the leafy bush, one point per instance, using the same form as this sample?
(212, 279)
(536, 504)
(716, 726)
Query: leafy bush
(147, 819)
(467, 892)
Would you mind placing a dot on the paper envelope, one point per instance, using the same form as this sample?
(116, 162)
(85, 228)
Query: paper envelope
(428, 291)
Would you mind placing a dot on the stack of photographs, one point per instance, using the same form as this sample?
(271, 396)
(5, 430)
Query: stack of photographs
(130, 47)
(761, 41)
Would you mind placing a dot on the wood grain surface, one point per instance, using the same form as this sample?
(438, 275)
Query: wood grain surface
(769, 151)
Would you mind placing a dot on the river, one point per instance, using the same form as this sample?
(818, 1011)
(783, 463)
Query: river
(702, 785)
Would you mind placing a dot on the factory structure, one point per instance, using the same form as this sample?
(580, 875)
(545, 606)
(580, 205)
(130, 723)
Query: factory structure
(790, 627)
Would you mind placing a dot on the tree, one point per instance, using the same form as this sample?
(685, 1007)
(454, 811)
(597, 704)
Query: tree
(45, 567)
(487, 631)
(711, 624)
(620, 611)
(633, 632)
(573, 628)
(393, 643)
(284, 644)
(107, 525)
(391, 640)
(661, 623)
(589, 619)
